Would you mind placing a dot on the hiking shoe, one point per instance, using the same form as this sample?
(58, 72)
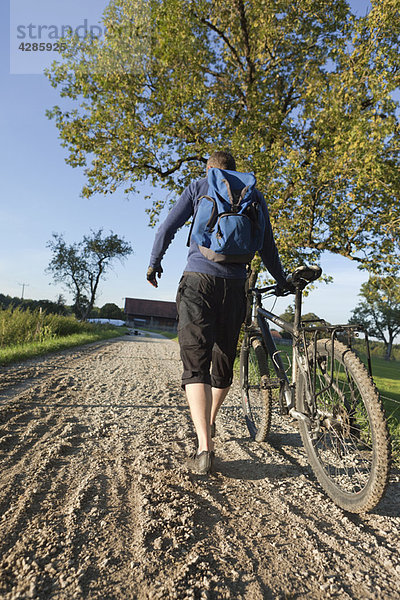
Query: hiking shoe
(201, 463)
(212, 426)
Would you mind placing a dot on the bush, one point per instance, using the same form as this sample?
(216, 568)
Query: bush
(377, 349)
(19, 326)
(111, 311)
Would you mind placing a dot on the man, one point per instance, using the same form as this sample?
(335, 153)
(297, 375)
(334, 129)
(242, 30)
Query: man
(211, 307)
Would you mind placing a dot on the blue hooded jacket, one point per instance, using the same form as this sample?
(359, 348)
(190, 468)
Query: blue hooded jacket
(182, 211)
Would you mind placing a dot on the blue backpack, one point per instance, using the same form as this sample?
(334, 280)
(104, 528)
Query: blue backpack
(229, 223)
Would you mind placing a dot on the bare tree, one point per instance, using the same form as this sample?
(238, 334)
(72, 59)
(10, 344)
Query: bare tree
(81, 266)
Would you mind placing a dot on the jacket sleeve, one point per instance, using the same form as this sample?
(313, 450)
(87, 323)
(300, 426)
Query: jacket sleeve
(176, 218)
(269, 252)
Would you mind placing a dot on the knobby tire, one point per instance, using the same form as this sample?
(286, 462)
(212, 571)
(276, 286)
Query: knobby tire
(346, 439)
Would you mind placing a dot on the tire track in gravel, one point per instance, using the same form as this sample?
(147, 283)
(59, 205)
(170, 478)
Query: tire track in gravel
(96, 502)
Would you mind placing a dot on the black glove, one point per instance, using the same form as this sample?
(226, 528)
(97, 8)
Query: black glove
(151, 275)
(288, 288)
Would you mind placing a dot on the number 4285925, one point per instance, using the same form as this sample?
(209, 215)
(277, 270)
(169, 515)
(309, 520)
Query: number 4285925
(42, 47)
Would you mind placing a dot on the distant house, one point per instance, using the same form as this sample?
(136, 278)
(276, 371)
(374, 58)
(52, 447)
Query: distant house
(279, 339)
(276, 335)
(155, 314)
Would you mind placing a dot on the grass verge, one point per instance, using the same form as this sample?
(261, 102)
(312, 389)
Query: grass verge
(20, 352)
(172, 335)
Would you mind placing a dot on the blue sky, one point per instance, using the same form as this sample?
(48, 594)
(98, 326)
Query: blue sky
(40, 193)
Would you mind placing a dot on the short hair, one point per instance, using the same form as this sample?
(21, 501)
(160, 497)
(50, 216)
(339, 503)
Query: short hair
(222, 160)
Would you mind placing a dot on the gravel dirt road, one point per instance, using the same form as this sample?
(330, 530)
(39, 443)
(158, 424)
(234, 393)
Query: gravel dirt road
(96, 502)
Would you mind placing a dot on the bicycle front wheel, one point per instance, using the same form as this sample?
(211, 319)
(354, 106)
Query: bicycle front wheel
(256, 395)
(346, 437)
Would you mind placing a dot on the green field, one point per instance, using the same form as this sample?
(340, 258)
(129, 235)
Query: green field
(387, 377)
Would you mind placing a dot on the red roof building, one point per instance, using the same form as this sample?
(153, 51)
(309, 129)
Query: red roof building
(275, 334)
(156, 314)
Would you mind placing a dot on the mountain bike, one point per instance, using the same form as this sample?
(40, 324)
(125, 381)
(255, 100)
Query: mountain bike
(328, 390)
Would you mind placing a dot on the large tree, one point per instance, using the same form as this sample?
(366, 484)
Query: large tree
(379, 310)
(82, 265)
(302, 92)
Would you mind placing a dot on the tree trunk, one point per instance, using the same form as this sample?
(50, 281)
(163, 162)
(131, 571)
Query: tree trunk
(389, 346)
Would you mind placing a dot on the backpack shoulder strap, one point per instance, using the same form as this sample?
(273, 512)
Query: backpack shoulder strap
(212, 220)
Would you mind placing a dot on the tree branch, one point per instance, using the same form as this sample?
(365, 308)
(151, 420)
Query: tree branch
(225, 40)
(175, 167)
(247, 49)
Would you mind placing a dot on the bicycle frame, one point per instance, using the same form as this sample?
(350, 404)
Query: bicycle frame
(287, 388)
(287, 397)
(326, 388)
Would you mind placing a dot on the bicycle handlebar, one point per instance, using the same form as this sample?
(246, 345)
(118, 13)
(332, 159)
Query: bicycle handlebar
(300, 277)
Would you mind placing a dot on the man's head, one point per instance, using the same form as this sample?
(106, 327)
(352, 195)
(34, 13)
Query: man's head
(221, 160)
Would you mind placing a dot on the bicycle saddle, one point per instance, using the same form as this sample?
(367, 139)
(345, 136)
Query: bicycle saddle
(305, 273)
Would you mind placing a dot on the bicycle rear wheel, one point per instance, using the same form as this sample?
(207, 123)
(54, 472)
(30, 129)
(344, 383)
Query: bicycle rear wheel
(256, 396)
(346, 438)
